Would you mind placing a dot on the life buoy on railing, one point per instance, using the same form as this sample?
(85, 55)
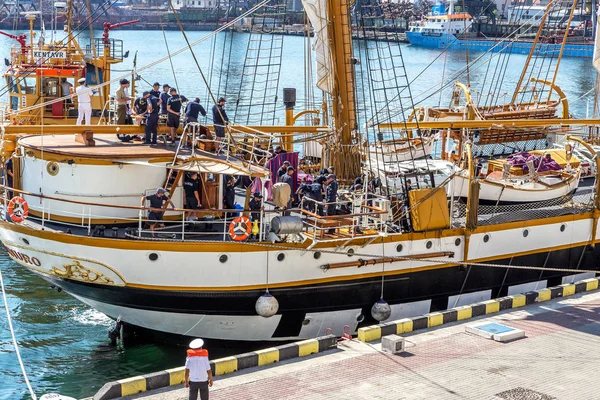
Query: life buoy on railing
(240, 228)
(18, 209)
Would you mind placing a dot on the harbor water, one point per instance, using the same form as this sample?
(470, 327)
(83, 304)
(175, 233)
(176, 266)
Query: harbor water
(63, 343)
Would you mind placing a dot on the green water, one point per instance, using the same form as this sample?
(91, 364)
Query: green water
(64, 343)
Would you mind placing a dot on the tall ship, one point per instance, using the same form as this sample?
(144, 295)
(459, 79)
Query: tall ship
(445, 29)
(84, 205)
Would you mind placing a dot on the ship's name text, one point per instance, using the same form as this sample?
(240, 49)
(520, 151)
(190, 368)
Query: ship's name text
(24, 257)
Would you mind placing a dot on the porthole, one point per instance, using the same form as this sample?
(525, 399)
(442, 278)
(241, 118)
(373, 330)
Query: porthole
(306, 321)
(399, 248)
(52, 168)
(25, 240)
(486, 238)
(317, 255)
(153, 256)
(457, 242)
(350, 252)
(525, 232)
(429, 244)
(360, 318)
(563, 227)
(223, 258)
(280, 257)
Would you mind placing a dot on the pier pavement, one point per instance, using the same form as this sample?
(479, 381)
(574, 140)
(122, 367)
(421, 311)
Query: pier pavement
(557, 359)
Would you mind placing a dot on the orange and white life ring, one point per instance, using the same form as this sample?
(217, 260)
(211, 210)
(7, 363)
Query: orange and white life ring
(240, 228)
(18, 209)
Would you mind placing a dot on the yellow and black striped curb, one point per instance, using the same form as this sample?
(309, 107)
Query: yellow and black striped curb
(222, 366)
(406, 325)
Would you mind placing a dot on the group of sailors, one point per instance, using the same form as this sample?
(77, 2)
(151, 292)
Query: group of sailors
(170, 104)
(151, 106)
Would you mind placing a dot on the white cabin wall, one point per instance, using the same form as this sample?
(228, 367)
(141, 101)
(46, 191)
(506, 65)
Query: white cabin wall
(119, 183)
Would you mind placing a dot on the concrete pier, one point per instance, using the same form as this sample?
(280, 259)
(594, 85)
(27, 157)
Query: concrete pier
(557, 359)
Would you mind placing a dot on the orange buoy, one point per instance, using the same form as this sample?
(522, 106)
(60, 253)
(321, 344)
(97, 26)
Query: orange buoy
(18, 209)
(240, 228)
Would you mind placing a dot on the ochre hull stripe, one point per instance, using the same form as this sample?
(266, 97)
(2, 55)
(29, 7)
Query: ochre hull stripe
(221, 366)
(375, 332)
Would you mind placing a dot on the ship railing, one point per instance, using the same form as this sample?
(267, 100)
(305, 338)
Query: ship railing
(211, 225)
(354, 216)
(88, 221)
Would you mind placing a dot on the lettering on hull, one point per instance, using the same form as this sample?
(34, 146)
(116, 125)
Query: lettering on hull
(16, 255)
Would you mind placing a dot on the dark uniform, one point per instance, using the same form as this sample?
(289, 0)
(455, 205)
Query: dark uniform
(191, 186)
(140, 105)
(192, 110)
(218, 121)
(155, 93)
(314, 191)
(152, 121)
(164, 97)
(156, 202)
(229, 196)
(331, 197)
(281, 172)
(175, 103)
(255, 205)
(287, 178)
(8, 175)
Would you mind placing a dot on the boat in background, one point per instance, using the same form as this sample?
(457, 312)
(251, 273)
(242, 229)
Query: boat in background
(536, 176)
(453, 31)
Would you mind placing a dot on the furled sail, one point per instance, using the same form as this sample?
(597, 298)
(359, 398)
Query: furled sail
(317, 14)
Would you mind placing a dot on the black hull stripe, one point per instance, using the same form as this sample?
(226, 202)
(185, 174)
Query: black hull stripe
(436, 285)
(375, 332)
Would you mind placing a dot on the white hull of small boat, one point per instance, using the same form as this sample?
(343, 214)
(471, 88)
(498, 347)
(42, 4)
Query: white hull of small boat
(517, 190)
(401, 152)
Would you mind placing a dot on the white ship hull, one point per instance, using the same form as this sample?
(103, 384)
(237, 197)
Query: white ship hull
(189, 291)
(514, 190)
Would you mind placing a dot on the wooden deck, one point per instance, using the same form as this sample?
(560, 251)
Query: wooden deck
(107, 146)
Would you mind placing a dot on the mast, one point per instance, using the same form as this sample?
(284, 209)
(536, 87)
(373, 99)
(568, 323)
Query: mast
(344, 156)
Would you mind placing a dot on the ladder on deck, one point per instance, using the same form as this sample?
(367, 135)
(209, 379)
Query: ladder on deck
(191, 131)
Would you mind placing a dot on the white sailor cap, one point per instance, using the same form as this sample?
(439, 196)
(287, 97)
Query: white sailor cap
(196, 343)
(81, 80)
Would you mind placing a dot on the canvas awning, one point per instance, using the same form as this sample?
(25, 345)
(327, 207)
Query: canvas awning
(222, 166)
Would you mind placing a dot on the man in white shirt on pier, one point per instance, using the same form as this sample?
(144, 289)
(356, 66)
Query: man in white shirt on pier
(198, 375)
(84, 101)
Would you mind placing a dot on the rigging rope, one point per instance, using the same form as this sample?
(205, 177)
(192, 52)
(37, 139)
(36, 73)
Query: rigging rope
(161, 60)
(169, 55)
(14, 339)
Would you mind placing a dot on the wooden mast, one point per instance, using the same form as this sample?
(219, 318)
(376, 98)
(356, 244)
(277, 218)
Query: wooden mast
(344, 154)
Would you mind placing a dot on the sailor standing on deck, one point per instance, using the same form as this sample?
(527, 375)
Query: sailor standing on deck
(193, 109)
(198, 375)
(151, 118)
(84, 101)
(122, 98)
(174, 105)
(220, 119)
(163, 98)
(155, 90)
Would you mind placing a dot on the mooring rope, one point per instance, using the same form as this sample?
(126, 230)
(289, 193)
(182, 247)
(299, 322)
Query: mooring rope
(14, 339)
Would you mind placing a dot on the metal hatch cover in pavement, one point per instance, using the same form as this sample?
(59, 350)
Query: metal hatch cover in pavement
(521, 393)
